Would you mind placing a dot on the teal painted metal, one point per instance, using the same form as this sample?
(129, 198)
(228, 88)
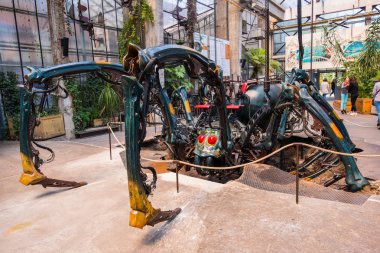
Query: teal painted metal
(26, 101)
(182, 94)
(37, 75)
(142, 212)
(354, 178)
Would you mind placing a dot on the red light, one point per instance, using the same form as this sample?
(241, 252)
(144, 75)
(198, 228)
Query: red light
(212, 139)
(201, 138)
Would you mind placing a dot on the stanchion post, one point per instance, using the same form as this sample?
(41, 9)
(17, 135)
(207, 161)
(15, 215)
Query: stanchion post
(176, 177)
(297, 174)
(109, 140)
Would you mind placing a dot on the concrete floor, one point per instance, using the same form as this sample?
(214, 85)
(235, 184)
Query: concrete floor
(215, 217)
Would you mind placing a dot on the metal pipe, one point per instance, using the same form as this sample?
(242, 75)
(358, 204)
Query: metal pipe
(216, 61)
(109, 141)
(299, 29)
(39, 34)
(176, 177)
(18, 41)
(104, 31)
(75, 31)
(311, 39)
(324, 21)
(297, 173)
(92, 46)
(267, 40)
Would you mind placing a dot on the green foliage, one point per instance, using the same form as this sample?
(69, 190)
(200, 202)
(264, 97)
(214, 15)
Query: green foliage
(85, 100)
(256, 57)
(176, 77)
(11, 100)
(369, 59)
(134, 25)
(366, 66)
(109, 101)
(328, 76)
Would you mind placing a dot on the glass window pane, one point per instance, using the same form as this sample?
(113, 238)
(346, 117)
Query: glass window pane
(112, 45)
(100, 58)
(9, 54)
(6, 3)
(113, 59)
(96, 12)
(119, 17)
(24, 5)
(41, 6)
(29, 42)
(7, 26)
(99, 42)
(109, 13)
(72, 8)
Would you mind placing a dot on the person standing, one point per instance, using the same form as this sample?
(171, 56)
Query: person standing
(376, 99)
(325, 88)
(354, 91)
(332, 87)
(344, 95)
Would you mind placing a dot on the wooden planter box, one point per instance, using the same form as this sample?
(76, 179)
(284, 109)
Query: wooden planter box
(102, 122)
(51, 126)
(364, 105)
(336, 105)
(98, 122)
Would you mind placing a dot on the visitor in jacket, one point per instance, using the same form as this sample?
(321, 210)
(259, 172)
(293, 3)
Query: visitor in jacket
(325, 88)
(376, 99)
(354, 91)
(344, 95)
(333, 83)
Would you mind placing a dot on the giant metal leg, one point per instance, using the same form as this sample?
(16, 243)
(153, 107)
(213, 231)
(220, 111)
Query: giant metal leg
(142, 212)
(31, 174)
(334, 117)
(354, 179)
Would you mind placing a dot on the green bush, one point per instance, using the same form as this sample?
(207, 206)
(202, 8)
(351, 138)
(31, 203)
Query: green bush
(176, 77)
(92, 98)
(11, 100)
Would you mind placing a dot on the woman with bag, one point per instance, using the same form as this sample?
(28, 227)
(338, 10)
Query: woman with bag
(376, 101)
(344, 95)
(354, 91)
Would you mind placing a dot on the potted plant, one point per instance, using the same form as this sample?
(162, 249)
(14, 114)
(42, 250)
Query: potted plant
(109, 103)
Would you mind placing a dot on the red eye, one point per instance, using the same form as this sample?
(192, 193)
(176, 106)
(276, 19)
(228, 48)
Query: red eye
(212, 139)
(201, 138)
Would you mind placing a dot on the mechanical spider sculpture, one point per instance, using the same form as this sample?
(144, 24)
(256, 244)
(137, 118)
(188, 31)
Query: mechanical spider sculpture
(268, 116)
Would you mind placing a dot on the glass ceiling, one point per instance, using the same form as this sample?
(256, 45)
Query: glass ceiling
(172, 13)
(293, 3)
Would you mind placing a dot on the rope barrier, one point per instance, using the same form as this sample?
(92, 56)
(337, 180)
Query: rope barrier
(353, 123)
(249, 163)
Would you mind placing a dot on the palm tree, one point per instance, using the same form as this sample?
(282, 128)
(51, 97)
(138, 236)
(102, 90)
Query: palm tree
(256, 57)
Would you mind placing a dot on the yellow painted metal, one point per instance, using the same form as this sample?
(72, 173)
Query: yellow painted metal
(171, 109)
(336, 114)
(137, 219)
(30, 174)
(142, 210)
(336, 131)
(102, 62)
(187, 106)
